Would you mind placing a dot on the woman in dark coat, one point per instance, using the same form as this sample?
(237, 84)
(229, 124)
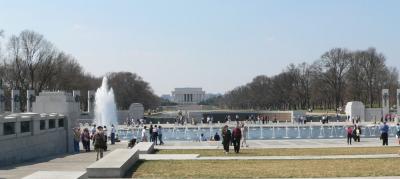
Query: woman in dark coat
(226, 138)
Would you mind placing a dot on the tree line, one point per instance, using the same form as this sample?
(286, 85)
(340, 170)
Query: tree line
(31, 62)
(339, 76)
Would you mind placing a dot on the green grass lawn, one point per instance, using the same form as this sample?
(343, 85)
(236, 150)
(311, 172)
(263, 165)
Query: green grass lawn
(289, 151)
(267, 168)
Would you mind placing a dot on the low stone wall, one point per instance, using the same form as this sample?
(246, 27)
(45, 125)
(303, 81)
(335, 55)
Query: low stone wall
(119, 162)
(28, 136)
(114, 165)
(145, 147)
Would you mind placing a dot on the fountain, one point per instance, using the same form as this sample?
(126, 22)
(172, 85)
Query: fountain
(211, 130)
(332, 130)
(105, 108)
(321, 132)
(261, 132)
(186, 135)
(286, 133)
(310, 136)
(344, 131)
(298, 132)
(273, 132)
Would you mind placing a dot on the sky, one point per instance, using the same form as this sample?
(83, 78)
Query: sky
(214, 44)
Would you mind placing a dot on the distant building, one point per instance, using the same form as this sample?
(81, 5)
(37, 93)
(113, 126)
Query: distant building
(188, 96)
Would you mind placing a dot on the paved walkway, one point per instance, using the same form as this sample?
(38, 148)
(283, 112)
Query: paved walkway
(67, 162)
(291, 143)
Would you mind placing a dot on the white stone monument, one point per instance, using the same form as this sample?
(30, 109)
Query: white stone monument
(61, 103)
(91, 101)
(30, 98)
(385, 102)
(188, 96)
(355, 109)
(76, 95)
(15, 101)
(2, 100)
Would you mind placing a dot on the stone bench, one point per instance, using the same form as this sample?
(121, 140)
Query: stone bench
(57, 174)
(145, 147)
(114, 165)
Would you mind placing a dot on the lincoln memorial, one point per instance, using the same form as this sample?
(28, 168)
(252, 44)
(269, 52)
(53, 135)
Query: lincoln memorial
(188, 95)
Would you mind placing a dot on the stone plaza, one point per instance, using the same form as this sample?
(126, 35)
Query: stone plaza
(39, 144)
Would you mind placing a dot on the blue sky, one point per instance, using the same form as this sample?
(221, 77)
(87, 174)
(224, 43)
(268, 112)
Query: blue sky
(214, 44)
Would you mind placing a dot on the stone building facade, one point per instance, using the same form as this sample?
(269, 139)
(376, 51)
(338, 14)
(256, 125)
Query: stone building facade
(188, 96)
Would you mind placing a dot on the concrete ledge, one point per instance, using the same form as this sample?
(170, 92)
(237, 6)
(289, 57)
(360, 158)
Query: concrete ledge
(113, 165)
(168, 156)
(57, 175)
(145, 147)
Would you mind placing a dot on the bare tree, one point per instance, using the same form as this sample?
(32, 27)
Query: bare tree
(335, 64)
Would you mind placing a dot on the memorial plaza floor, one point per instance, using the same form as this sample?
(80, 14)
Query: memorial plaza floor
(79, 162)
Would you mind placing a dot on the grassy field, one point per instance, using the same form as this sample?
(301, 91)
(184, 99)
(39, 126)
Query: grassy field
(267, 168)
(290, 151)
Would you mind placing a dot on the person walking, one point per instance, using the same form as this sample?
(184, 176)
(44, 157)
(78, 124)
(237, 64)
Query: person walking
(244, 135)
(144, 134)
(384, 134)
(92, 132)
(155, 134)
(113, 131)
(159, 133)
(85, 138)
(99, 142)
(349, 135)
(236, 135)
(358, 133)
(77, 139)
(226, 138)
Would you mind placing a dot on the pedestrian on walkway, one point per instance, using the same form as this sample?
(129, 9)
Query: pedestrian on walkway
(236, 135)
(226, 138)
(155, 134)
(384, 134)
(358, 133)
(99, 142)
(144, 134)
(77, 139)
(92, 132)
(160, 133)
(113, 131)
(349, 135)
(244, 135)
(85, 138)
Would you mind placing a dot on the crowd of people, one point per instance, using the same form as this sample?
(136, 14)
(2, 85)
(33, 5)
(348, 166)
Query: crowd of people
(155, 134)
(354, 133)
(97, 136)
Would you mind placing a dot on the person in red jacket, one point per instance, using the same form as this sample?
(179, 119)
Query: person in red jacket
(236, 136)
(349, 135)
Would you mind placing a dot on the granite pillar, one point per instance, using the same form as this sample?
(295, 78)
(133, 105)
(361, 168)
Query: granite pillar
(15, 101)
